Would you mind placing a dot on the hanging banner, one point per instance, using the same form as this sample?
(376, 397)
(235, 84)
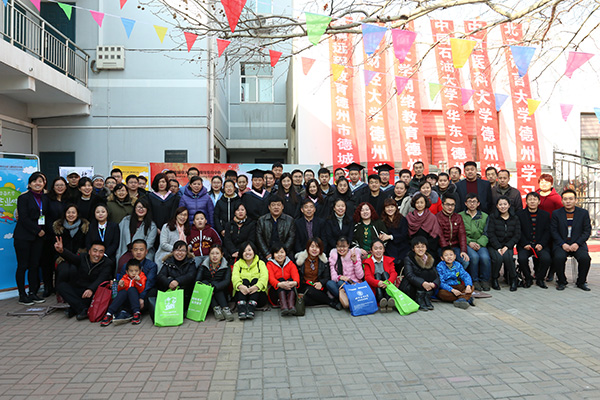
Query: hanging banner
(410, 120)
(457, 141)
(343, 123)
(489, 147)
(133, 168)
(14, 174)
(82, 171)
(528, 151)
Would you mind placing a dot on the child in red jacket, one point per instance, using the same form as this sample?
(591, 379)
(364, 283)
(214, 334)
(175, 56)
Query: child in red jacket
(129, 288)
(378, 269)
(284, 278)
(202, 237)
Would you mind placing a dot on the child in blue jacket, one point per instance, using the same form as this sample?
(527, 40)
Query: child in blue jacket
(456, 284)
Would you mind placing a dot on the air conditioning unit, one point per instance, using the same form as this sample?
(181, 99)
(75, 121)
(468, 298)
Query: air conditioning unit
(110, 57)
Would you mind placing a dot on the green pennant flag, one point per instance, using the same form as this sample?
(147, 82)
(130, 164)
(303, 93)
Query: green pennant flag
(434, 89)
(316, 25)
(67, 9)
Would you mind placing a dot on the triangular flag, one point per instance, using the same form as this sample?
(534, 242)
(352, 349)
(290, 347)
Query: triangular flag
(400, 84)
(307, 64)
(466, 95)
(128, 25)
(576, 59)
(500, 99)
(66, 8)
(461, 50)
(161, 31)
(434, 89)
(5, 2)
(222, 45)
(190, 39)
(316, 25)
(372, 35)
(522, 56)
(274, 55)
(369, 75)
(233, 10)
(565, 110)
(337, 70)
(403, 41)
(532, 105)
(123, 3)
(597, 112)
(98, 17)
(36, 3)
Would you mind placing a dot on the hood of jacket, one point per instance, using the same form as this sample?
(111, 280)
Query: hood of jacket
(188, 192)
(170, 258)
(303, 255)
(59, 229)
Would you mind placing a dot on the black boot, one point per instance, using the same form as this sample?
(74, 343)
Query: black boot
(541, 283)
(250, 309)
(242, 309)
(514, 283)
(428, 303)
(283, 304)
(495, 284)
(421, 300)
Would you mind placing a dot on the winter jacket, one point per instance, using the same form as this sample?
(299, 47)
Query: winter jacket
(286, 231)
(450, 190)
(289, 207)
(416, 272)
(581, 228)
(324, 274)
(86, 208)
(235, 235)
(484, 193)
(112, 236)
(197, 202)
(514, 197)
(543, 235)
(388, 266)
(129, 283)
(150, 270)
(399, 246)
(257, 269)
(28, 212)
(453, 231)
(126, 238)
(318, 230)
(476, 227)
(415, 184)
(449, 276)
(222, 278)
(404, 206)
(503, 232)
(333, 231)
(202, 240)
(551, 202)
(285, 272)
(185, 274)
(375, 228)
(162, 210)
(350, 269)
(75, 244)
(215, 197)
(167, 240)
(225, 210)
(118, 210)
(90, 275)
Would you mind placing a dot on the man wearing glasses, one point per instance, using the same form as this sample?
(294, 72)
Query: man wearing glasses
(453, 230)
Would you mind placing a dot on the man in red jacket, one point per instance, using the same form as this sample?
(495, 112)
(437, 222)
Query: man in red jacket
(453, 230)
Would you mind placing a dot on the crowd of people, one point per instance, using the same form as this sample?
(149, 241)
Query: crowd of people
(285, 234)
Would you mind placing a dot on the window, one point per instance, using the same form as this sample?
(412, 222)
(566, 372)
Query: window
(590, 136)
(261, 6)
(256, 83)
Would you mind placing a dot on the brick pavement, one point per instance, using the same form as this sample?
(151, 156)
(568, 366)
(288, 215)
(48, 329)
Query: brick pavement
(537, 344)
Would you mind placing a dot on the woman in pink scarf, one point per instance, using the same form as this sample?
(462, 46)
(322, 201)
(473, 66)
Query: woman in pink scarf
(176, 229)
(421, 222)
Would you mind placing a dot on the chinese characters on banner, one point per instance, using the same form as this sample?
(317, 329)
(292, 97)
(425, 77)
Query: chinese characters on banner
(410, 121)
(457, 141)
(486, 117)
(528, 150)
(343, 124)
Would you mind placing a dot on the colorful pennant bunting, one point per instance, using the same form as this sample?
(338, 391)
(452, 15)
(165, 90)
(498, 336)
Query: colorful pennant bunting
(222, 45)
(434, 89)
(307, 64)
(402, 41)
(190, 39)
(369, 75)
(67, 9)
(123, 3)
(98, 17)
(597, 112)
(5, 2)
(565, 110)
(461, 50)
(274, 55)
(128, 25)
(576, 60)
(161, 31)
(233, 10)
(36, 3)
(522, 56)
(337, 70)
(316, 25)
(532, 105)
(466, 95)
(400, 84)
(372, 35)
(500, 99)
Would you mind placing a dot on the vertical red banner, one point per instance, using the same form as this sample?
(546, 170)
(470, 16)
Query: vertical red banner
(410, 120)
(528, 150)
(489, 147)
(457, 141)
(343, 123)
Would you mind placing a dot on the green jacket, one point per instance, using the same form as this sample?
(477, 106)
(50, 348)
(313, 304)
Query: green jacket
(257, 269)
(476, 227)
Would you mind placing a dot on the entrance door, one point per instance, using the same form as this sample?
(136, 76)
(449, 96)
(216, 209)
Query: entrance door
(51, 160)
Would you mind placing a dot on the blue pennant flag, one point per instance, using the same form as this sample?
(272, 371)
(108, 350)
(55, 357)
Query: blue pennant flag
(5, 2)
(369, 75)
(597, 111)
(128, 25)
(500, 99)
(522, 56)
(372, 35)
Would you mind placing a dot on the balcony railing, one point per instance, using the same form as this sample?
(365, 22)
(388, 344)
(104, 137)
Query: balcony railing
(32, 34)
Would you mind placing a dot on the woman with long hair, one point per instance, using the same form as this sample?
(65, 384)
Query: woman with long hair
(137, 225)
(367, 227)
(178, 228)
(421, 222)
(397, 240)
(105, 231)
(163, 202)
(339, 224)
(119, 204)
(288, 196)
(238, 231)
(314, 193)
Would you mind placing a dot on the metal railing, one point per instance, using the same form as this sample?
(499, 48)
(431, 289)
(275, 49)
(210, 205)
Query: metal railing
(32, 34)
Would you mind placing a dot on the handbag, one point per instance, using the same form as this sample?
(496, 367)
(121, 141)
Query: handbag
(362, 299)
(404, 304)
(100, 302)
(344, 297)
(200, 302)
(300, 304)
(169, 308)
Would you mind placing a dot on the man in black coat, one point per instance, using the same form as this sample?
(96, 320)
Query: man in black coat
(275, 227)
(374, 195)
(571, 229)
(308, 226)
(535, 241)
(473, 184)
(503, 188)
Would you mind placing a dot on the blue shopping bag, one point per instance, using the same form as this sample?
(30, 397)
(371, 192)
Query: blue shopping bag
(362, 299)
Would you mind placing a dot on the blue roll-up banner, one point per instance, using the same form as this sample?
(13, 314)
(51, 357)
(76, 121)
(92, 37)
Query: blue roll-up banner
(14, 174)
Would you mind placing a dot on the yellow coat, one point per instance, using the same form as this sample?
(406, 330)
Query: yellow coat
(257, 269)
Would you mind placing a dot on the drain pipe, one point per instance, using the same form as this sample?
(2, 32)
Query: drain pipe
(211, 102)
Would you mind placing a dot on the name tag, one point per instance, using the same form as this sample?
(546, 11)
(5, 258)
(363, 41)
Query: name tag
(42, 220)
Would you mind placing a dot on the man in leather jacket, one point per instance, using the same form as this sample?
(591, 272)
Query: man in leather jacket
(284, 233)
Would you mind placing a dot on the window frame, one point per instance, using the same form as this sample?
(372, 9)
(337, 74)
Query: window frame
(257, 78)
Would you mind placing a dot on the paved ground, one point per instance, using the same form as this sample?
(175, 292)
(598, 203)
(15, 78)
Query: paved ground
(535, 344)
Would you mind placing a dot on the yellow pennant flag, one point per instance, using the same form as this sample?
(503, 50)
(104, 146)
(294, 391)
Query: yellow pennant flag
(161, 31)
(461, 50)
(337, 71)
(532, 105)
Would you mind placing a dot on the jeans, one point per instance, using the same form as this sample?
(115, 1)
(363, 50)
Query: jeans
(129, 298)
(480, 264)
(334, 287)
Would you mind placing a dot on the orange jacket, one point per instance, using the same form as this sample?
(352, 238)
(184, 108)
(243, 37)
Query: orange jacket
(288, 271)
(388, 266)
(129, 283)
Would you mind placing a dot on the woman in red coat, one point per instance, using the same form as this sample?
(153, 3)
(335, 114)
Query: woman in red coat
(284, 278)
(378, 269)
(550, 200)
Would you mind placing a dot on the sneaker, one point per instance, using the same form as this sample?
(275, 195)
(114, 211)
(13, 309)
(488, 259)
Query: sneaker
(123, 318)
(477, 286)
(35, 298)
(137, 318)
(391, 305)
(228, 315)
(383, 303)
(25, 300)
(107, 320)
(218, 313)
(461, 303)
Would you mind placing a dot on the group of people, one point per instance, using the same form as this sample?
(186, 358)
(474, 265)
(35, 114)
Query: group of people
(285, 234)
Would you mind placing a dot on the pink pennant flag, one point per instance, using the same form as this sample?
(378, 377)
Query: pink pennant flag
(36, 3)
(565, 110)
(400, 84)
(369, 75)
(466, 95)
(576, 59)
(222, 45)
(190, 39)
(403, 41)
(233, 10)
(98, 17)
(123, 3)
(307, 64)
(274, 57)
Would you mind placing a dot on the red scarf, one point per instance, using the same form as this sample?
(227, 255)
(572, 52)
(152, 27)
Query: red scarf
(427, 221)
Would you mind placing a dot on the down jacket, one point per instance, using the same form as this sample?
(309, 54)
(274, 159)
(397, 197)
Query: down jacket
(185, 275)
(503, 232)
(222, 278)
(197, 202)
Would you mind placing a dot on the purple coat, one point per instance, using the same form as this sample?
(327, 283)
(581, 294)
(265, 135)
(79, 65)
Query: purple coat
(197, 202)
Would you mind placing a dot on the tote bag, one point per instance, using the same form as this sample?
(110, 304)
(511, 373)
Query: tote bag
(404, 304)
(361, 298)
(200, 302)
(169, 308)
(100, 302)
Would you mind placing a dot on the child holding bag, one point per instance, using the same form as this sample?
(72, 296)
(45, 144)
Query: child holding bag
(129, 288)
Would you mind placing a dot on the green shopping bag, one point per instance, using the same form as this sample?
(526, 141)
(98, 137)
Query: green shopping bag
(404, 304)
(200, 302)
(169, 308)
